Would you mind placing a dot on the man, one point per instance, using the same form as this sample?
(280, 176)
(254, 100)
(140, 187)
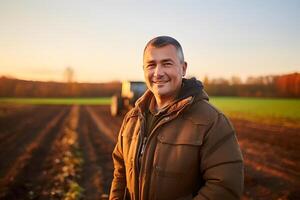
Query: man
(174, 144)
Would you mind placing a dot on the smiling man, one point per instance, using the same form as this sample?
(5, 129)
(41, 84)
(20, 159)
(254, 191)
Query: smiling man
(174, 144)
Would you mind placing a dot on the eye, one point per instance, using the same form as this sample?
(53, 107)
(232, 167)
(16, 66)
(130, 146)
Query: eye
(168, 64)
(150, 66)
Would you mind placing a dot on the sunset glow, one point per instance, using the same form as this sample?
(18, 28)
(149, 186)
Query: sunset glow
(104, 40)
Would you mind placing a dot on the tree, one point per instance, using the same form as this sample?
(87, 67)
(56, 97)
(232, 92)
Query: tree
(69, 75)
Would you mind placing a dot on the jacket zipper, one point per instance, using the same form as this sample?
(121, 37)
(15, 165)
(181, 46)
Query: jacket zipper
(142, 147)
(141, 143)
(141, 152)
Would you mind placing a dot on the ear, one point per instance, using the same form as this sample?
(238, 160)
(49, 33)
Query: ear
(184, 66)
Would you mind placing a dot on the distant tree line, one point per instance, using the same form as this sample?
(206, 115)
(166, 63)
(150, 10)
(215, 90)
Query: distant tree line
(21, 88)
(263, 86)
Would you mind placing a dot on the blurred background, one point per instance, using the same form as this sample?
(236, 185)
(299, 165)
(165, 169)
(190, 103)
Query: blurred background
(63, 63)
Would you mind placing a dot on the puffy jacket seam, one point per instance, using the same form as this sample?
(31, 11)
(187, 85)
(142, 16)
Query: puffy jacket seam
(224, 163)
(219, 143)
(227, 189)
(209, 122)
(195, 123)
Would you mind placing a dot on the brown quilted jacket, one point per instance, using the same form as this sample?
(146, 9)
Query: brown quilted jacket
(191, 153)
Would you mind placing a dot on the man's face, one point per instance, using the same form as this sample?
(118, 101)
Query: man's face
(163, 70)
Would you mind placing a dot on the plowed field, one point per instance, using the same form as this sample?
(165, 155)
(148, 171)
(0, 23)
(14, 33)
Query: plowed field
(50, 152)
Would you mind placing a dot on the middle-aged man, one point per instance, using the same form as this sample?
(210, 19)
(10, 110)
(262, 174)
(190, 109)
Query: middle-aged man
(174, 144)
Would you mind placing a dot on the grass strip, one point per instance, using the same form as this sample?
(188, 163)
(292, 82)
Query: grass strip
(57, 101)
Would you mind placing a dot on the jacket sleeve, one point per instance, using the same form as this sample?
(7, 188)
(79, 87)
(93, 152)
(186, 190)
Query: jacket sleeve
(221, 162)
(118, 185)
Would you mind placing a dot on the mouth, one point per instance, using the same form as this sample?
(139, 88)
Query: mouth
(159, 82)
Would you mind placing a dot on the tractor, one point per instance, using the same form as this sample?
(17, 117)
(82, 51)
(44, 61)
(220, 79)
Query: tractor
(131, 91)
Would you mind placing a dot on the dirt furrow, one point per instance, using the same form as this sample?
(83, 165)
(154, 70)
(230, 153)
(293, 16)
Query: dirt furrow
(105, 111)
(62, 168)
(92, 172)
(265, 153)
(19, 178)
(17, 143)
(278, 136)
(10, 115)
(102, 125)
(271, 161)
(103, 144)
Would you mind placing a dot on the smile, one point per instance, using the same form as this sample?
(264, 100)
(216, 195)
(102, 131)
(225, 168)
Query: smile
(159, 82)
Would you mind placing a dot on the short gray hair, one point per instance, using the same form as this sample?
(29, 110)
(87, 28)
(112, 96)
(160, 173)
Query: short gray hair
(162, 41)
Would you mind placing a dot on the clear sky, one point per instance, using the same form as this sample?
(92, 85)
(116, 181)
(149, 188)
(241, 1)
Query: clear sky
(104, 40)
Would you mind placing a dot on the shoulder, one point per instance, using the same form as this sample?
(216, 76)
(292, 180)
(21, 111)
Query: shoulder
(214, 122)
(130, 119)
(133, 113)
(202, 112)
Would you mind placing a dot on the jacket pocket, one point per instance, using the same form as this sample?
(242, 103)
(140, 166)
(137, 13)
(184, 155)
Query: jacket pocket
(128, 146)
(175, 156)
(182, 139)
(177, 159)
(178, 149)
(176, 165)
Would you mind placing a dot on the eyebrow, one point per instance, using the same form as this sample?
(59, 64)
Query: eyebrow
(164, 60)
(150, 61)
(167, 60)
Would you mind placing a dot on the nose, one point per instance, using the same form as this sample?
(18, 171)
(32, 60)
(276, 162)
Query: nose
(158, 71)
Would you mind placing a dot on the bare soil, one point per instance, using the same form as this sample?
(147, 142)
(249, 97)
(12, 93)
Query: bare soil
(31, 150)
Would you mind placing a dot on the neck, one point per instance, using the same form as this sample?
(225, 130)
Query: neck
(162, 102)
